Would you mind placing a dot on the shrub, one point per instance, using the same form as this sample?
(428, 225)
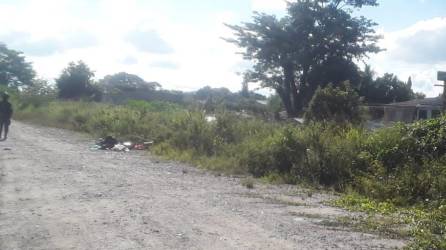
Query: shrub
(154, 106)
(334, 104)
(332, 155)
(400, 165)
(190, 130)
(279, 152)
(404, 163)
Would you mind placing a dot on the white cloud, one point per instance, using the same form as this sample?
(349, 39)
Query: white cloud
(197, 55)
(149, 41)
(416, 51)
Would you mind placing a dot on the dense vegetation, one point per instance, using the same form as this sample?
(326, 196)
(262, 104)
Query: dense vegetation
(403, 165)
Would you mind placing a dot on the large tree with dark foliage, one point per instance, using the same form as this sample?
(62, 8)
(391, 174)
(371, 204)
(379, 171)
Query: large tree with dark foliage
(385, 89)
(313, 45)
(14, 70)
(76, 82)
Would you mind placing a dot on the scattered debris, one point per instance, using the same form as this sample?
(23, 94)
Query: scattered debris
(111, 143)
(139, 147)
(210, 118)
(120, 147)
(108, 143)
(142, 146)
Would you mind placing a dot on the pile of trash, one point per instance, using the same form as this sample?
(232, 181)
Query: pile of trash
(111, 143)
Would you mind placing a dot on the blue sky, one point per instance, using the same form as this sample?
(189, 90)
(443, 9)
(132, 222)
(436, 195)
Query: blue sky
(178, 43)
(394, 15)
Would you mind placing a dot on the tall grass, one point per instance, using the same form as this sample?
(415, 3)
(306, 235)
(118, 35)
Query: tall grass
(403, 165)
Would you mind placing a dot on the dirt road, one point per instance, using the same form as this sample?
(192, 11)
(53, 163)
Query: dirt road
(56, 193)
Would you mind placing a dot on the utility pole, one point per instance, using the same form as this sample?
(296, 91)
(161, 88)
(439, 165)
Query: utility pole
(442, 77)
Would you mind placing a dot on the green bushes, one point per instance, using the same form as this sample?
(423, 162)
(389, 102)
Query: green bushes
(332, 153)
(425, 224)
(400, 165)
(430, 229)
(191, 131)
(339, 104)
(279, 152)
(404, 163)
(154, 106)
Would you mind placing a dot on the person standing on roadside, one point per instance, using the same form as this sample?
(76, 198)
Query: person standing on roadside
(5, 116)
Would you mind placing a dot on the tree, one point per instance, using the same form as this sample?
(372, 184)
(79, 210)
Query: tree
(385, 89)
(40, 87)
(313, 45)
(245, 89)
(396, 90)
(218, 94)
(123, 81)
(274, 106)
(39, 93)
(409, 82)
(76, 82)
(122, 87)
(14, 70)
(419, 95)
(416, 95)
(338, 104)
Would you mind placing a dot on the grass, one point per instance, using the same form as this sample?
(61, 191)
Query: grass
(426, 226)
(383, 226)
(400, 171)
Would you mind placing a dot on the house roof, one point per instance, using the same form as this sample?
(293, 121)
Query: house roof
(436, 101)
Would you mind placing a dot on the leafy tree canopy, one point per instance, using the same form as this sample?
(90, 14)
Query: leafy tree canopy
(313, 45)
(40, 87)
(385, 89)
(41, 92)
(76, 81)
(214, 93)
(127, 82)
(14, 70)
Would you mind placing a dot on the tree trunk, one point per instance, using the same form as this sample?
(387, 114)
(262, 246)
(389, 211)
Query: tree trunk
(291, 90)
(285, 100)
(301, 101)
(296, 100)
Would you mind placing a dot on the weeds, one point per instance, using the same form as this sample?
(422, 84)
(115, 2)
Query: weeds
(401, 169)
(425, 224)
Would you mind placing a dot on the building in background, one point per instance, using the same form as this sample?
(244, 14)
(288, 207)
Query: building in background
(413, 110)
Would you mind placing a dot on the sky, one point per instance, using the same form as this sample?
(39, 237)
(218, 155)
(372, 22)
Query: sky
(179, 43)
